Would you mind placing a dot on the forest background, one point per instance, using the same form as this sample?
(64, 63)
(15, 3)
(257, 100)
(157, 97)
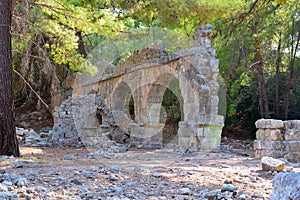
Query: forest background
(256, 41)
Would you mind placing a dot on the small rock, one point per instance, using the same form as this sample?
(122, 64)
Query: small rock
(272, 164)
(115, 169)
(256, 196)
(156, 175)
(3, 188)
(184, 191)
(76, 182)
(69, 157)
(112, 178)
(42, 144)
(55, 172)
(21, 182)
(118, 189)
(89, 175)
(228, 187)
(242, 197)
(19, 165)
(228, 181)
(4, 157)
(8, 196)
(8, 183)
(181, 173)
(83, 191)
(211, 194)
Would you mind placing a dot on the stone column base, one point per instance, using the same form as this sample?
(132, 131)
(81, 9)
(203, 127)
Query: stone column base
(147, 136)
(199, 136)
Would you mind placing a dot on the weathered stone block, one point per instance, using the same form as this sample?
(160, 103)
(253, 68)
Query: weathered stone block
(269, 152)
(269, 123)
(186, 129)
(293, 146)
(211, 119)
(269, 134)
(209, 130)
(270, 145)
(292, 124)
(292, 134)
(293, 156)
(208, 143)
(188, 142)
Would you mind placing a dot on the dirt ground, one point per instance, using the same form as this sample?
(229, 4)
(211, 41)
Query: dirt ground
(138, 174)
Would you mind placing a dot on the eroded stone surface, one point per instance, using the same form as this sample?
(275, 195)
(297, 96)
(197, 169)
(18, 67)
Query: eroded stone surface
(286, 185)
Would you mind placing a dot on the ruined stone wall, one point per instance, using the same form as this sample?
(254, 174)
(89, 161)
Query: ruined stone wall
(76, 125)
(277, 138)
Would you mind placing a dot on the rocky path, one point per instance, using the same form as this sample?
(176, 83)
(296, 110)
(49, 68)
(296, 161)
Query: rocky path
(48, 173)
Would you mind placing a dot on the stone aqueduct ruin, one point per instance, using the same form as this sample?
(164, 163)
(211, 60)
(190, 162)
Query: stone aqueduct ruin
(99, 106)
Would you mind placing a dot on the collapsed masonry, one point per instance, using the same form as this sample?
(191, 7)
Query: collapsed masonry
(277, 138)
(99, 113)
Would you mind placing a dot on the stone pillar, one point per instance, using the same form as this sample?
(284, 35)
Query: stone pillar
(292, 140)
(187, 134)
(202, 135)
(147, 135)
(269, 138)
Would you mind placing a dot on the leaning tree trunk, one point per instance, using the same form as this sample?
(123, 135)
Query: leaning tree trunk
(8, 141)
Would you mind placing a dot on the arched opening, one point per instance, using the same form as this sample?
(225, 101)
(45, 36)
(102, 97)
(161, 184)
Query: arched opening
(165, 107)
(131, 108)
(123, 107)
(171, 112)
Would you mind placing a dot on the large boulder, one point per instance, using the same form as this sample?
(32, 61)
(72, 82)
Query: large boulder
(286, 186)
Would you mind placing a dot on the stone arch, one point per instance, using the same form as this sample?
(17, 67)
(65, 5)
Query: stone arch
(155, 96)
(156, 93)
(153, 127)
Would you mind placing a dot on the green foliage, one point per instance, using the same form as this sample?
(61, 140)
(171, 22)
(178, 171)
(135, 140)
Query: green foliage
(172, 107)
(124, 44)
(234, 41)
(49, 30)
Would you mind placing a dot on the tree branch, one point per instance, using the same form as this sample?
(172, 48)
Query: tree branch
(38, 96)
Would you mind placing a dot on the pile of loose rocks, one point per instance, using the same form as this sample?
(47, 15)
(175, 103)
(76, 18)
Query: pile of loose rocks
(29, 138)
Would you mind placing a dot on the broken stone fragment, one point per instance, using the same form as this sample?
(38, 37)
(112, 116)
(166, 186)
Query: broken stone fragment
(272, 164)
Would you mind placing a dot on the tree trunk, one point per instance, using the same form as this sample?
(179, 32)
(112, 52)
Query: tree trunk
(8, 141)
(278, 61)
(81, 47)
(261, 78)
(291, 74)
